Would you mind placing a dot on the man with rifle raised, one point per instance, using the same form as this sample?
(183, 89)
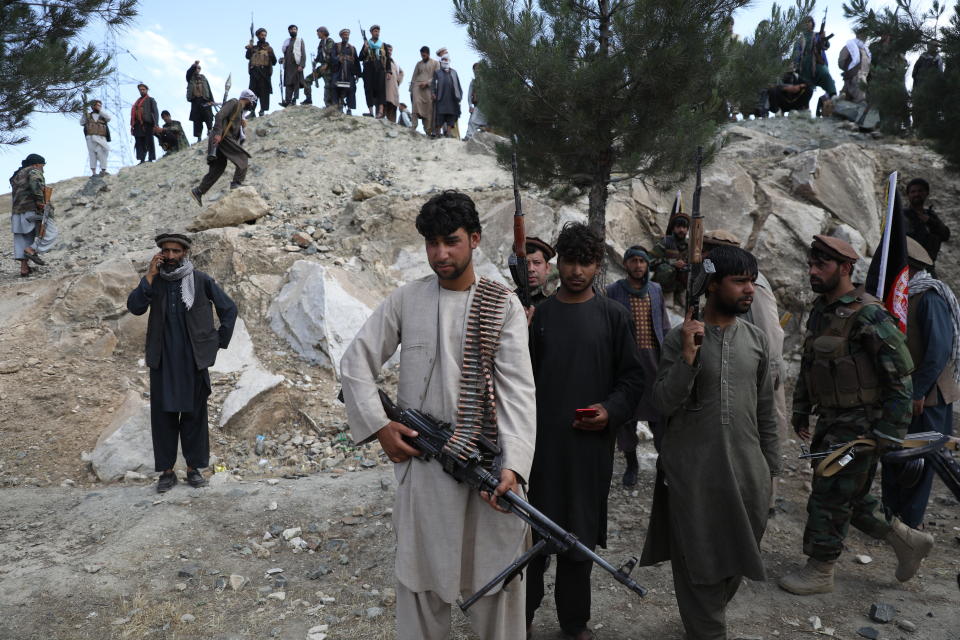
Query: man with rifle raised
(465, 361)
(715, 391)
(810, 57)
(261, 62)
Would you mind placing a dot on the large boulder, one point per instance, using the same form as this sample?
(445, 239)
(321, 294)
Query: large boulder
(239, 355)
(253, 383)
(99, 294)
(319, 311)
(240, 205)
(126, 444)
(842, 180)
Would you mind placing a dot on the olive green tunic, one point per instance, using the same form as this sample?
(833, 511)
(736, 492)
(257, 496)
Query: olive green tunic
(718, 454)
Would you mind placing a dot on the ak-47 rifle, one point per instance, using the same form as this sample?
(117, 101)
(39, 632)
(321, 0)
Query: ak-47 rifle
(823, 41)
(699, 269)
(47, 209)
(313, 71)
(431, 437)
(518, 259)
(252, 36)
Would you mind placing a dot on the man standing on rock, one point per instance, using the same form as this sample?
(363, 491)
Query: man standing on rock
(923, 225)
(589, 379)
(933, 338)
(346, 70)
(855, 374)
(421, 96)
(719, 453)
(97, 133)
(225, 143)
(810, 58)
(182, 344)
(27, 209)
(644, 302)
(321, 69)
(143, 119)
(447, 94)
(260, 66)
(293, 58)
(200, 98)
(449, 542)
(374, 72)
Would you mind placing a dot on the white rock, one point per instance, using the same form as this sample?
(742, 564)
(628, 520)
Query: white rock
(187, 618)
(126, 444)
(239, 355)
(272, 506)
(254, 382)
(319, 311)
(863, 559)
(815, 623)
(291, 533)
(277, 595)
(237, 581)
(99, 294)
(133, 476)
(239, 205)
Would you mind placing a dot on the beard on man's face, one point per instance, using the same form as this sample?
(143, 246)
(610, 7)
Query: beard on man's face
(820, 285)
(170, 266)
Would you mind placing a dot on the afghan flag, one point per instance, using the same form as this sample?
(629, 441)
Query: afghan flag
(888, 275)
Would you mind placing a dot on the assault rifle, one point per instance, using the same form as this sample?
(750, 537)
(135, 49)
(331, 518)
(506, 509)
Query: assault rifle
(47, 212)
(518, 259)
(909, 455)
(431, 437)
(823, 41)
(699, 269)
(252, 36)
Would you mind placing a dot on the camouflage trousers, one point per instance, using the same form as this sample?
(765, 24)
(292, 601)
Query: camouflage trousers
(842, 499)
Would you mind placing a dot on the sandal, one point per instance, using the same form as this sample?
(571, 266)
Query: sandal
(35, 257)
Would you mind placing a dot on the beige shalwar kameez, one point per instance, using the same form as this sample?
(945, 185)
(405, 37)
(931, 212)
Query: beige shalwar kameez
(421, 98)
(449, 541)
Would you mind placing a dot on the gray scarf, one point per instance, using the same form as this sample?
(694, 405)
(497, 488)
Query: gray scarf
(923, 281)
(186, 287)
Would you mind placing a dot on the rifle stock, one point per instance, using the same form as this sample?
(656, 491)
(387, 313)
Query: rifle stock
(47, 197)
(431, 437)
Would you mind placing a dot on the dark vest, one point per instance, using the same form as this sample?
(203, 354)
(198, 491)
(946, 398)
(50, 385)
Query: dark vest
(204, 337)
(949, 391)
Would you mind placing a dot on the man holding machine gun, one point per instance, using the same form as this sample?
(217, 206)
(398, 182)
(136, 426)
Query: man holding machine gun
(589, 379)
(225, 143)
(449, 543)
(810, 57)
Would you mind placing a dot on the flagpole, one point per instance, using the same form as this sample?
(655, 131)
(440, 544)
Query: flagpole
(885, 241)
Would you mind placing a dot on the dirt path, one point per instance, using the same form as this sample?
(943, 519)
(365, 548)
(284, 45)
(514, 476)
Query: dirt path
(107, 563)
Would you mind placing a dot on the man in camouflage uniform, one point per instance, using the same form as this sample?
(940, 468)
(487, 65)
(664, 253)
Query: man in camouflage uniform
(668, 267)
(27, 209)
(321, 69)
(855, 374)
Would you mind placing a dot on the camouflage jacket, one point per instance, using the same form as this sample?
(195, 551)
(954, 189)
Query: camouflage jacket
(875, 333)
(27, 190)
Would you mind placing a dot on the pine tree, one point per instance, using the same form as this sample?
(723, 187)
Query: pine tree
(595, 88)
(944, 129)
(42, 67)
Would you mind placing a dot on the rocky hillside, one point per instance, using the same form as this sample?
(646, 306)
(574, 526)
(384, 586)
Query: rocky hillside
(321, 232)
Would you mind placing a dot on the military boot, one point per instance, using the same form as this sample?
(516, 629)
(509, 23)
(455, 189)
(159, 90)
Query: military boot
(814, 577)
(911, 547)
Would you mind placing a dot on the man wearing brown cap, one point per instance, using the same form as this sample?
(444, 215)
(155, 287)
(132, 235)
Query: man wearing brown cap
(933, 337)
(855, 375)
(539, 255)
(182, 343)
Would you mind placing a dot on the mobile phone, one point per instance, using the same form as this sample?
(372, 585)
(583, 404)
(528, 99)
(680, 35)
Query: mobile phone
(587, 413)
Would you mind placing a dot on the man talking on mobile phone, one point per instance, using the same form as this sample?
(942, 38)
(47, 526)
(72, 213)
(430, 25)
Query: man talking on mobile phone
(589, 378)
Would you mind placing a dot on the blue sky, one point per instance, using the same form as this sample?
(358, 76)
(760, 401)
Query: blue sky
(168, 36)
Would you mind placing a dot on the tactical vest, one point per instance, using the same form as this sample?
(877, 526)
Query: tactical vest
(835, 377)
(260, 57)
(95, 127)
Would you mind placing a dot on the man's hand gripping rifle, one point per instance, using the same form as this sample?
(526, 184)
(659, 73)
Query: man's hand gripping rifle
(700, 269)
(431, 437)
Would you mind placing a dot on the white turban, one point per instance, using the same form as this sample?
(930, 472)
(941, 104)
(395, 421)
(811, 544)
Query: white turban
(248, 95)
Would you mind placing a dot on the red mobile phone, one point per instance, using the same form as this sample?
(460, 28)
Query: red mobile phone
(587, 413)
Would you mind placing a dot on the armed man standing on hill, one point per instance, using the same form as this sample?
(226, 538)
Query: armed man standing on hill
(97, 133)
(810, 58)
(855, 374)
(262, 59)
(200, 98)
(293, 57)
